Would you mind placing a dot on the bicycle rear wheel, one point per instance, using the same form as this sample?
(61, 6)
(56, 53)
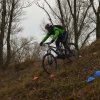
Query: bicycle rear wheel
(49, 63)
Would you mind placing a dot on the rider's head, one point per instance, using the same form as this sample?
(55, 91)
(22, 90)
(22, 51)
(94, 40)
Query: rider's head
(48, 26)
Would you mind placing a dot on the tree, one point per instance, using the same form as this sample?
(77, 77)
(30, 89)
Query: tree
(10, 10)
(61, 13)
(97, 14)
(81, 9)
(2, 29)
(14, 13)
(22, 49)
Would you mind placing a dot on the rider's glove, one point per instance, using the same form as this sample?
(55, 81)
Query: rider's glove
(41, 43)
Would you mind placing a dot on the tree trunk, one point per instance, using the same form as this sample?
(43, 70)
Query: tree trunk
(98, 23)
(61, 13)
(2, 31)
(9, 33)
(75, 25)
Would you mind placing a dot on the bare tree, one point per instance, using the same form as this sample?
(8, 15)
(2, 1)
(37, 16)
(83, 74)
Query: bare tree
(14, 13)
(10, 10)
(81, 9)
(21, 49)
(97, 14)
(61, 13)
(42, 7)
(2, 30)
(9, 31)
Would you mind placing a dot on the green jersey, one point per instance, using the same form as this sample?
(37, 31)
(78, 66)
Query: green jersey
(56, 31)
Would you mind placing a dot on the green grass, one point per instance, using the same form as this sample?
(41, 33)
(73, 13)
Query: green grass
(69, 83)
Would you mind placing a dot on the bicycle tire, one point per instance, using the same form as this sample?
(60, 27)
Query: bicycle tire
(49, 56)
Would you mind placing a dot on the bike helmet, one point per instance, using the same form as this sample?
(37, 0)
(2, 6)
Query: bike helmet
(48, 26)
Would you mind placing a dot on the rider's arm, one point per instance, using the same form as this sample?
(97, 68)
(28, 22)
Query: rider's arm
(56, 35)
(45, 38)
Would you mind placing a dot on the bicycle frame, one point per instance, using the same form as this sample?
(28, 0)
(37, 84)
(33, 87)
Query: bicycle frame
(51, 48)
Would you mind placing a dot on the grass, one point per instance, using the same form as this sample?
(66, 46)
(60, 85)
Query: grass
(69, 83)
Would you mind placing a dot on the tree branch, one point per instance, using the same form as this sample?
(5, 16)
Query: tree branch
(20, 48)
(70, 8)
(87, 37)
(52, 9)
(84, 19)
(42, 7)
(91, 1)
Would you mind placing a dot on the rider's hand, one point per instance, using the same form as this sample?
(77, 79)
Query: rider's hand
(41, 43)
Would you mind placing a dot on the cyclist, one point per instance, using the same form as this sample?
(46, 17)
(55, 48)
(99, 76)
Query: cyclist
(59, 35)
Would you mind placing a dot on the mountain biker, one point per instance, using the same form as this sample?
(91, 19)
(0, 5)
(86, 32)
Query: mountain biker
(59, 35)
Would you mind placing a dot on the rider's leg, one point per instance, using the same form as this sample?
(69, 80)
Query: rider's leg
(58, 44)
(60, 54)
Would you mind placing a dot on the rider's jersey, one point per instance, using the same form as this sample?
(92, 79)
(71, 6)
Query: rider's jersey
(55, 32)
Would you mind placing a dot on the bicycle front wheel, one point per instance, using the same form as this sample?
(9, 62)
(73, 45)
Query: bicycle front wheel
(49, 63)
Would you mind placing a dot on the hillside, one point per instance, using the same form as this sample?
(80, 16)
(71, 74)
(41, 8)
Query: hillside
(68, 84)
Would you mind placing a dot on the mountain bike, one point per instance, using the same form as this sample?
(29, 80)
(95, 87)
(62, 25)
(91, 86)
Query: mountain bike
(49, 61)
